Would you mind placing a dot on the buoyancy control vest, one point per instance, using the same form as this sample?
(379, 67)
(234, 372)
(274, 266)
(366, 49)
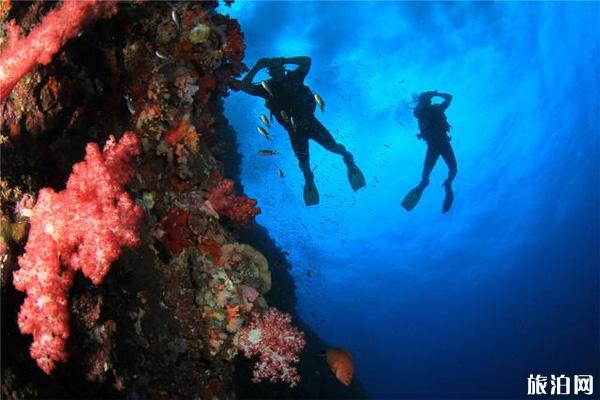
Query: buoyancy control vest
(433, 123)
(291, 96)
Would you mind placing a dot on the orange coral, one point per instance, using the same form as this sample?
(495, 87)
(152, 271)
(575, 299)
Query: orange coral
(4, 8)
(184, 133)
(233, 312)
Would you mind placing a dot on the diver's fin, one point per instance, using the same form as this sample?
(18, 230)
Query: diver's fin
(355, 176)
(449, 199)
(413, 197)
(311, 195)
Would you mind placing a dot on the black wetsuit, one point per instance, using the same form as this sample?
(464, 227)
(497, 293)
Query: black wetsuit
(291, 100)
(434, 129)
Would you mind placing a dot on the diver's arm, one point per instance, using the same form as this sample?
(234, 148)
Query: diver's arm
(447, 99)
(303, 63)
(247, 85)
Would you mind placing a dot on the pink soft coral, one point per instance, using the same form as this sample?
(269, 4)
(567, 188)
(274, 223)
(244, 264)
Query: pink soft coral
(277, 343)
(80, 228)
(21, 55)
(223, 200)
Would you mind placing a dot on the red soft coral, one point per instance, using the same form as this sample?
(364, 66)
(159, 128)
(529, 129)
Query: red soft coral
(234, 48)
(277, 343)
(80, 228)
(21, 55)
(223, 200)
(174, 231)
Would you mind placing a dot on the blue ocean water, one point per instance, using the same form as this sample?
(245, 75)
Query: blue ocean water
(462, 305)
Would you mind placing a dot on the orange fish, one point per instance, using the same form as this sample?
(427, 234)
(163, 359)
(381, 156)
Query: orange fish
(341, 364)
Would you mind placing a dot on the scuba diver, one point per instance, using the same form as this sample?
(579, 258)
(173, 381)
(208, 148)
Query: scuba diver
(434, 128)
(293, 105)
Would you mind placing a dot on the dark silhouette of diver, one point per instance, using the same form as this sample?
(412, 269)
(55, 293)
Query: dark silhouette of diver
(434, 128)
(293, 105)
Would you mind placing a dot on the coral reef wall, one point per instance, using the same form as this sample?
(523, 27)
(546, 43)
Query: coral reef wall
(161, 321)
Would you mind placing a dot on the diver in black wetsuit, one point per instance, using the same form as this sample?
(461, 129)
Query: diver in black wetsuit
(293, 105)
(434, 128)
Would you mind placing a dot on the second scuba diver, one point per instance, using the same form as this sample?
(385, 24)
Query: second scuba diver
(293, 104)
(434, 128)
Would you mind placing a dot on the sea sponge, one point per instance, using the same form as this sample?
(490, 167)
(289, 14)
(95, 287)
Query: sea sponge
(199, 34)
(256, 263)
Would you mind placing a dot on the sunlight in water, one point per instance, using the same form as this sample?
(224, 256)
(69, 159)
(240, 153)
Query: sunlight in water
(410, 294)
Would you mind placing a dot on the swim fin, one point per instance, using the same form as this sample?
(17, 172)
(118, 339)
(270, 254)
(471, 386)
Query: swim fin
(449, 199)
(311, 195)
(413, 197)
(355, 176)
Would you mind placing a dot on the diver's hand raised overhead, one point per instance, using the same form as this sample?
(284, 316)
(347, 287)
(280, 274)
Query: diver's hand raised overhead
(303, 63)
(247, 85)
(262, 63)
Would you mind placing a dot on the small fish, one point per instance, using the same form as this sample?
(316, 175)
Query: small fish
(267, 152)
(175, 19)
(265, 86)
(283, 115)
(130, 105)
(265, 120)
(281, 175)
(263, 132)
(293, 123)
(161, 55)
(320, 102)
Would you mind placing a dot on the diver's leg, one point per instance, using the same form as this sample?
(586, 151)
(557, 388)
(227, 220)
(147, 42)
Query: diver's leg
(300, 147)
(321, 135)
(412, 198)
(431, 158)
(450, 160)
